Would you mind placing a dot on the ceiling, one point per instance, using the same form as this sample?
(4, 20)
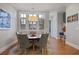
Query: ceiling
(60, 7)
(40, 6)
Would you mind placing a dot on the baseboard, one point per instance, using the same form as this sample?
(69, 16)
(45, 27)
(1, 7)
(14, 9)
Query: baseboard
(7, 46)
(73, 45)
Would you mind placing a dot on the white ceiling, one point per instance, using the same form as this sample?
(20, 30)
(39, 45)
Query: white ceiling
(60, 7)
(40, 6)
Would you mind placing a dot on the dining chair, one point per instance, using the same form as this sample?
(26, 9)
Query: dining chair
(23, 42)
(42, 43)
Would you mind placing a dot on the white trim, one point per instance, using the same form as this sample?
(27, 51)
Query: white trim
(7, 46)
(73, 45)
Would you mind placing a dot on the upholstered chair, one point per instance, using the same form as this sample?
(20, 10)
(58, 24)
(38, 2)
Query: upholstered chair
(23, 42)
(42, 43)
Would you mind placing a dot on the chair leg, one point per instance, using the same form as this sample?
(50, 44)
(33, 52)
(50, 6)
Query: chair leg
(44, 51)
(20, 51)
(33, 49)
(25, 51)
(18, 47)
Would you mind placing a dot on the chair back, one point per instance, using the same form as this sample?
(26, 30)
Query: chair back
(43, 40)
(23, 40)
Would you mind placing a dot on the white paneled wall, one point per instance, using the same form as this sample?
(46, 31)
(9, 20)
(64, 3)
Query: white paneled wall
(53, 18)
(7, 36)
(72, 33)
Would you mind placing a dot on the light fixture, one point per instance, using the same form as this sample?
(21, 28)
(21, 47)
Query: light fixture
(33, 17)
(23, 21)
(30, 14)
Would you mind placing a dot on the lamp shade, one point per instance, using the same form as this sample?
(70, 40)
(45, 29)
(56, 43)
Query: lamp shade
(33, 18)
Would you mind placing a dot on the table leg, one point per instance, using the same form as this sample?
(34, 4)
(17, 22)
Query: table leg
(33, 48)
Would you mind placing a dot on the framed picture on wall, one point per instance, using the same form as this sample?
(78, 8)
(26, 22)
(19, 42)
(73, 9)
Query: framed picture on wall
(72, 18)
(69, 19)
(5, 20)
(75, 17)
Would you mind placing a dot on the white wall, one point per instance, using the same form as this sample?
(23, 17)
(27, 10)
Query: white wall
(56, 23)
(46, 23)
(60, 22)
(7, 36)
(53, 18)
(72, 33)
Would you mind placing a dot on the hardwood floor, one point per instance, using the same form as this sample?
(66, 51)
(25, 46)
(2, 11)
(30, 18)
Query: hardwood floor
(55, 47)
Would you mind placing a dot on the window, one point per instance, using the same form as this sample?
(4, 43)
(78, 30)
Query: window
(23, 21)
(5, 20)
(41, 24)
(32, 25)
